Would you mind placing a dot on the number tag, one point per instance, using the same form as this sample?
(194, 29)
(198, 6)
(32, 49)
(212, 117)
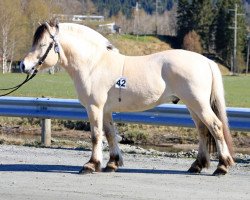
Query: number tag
(121, 83)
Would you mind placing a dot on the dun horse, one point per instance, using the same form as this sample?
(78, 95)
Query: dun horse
(107, 81)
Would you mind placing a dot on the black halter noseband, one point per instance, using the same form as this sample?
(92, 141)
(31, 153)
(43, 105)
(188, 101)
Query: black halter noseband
(40, 61)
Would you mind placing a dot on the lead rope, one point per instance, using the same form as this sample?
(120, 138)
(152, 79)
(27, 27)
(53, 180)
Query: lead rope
(13, 89)
(40, 62)
(28, 77)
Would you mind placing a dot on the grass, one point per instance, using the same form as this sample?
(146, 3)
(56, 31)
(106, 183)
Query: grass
(43, 85)
(237, 88)
(138, 45)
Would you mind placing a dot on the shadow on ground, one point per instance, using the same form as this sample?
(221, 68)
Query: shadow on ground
(76, 169)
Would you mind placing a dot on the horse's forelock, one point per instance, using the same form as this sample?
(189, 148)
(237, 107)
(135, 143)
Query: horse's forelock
(38, 34)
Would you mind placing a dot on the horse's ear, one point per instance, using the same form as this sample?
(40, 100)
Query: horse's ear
(47, 26)
(54, 22)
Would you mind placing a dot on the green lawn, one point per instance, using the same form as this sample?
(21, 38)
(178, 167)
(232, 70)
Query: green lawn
(60, 86)
(237, 90)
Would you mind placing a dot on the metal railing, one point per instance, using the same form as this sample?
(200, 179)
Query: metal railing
(71, 109)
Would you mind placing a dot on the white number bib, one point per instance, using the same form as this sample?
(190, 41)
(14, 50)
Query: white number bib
(121, 83)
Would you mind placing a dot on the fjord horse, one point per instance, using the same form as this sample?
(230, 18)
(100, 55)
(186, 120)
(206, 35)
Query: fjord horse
(107, 81)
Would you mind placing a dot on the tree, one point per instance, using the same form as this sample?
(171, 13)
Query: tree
(37, 11)
(203, 17)
(88, 7)
(196, 15)
(68, 7)
(192, 42)
(184, 19)
(10, 31)
(224, 36)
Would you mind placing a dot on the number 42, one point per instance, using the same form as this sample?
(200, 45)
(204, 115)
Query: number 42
(121, 83)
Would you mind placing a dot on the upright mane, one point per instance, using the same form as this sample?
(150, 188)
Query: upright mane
(86, 32)
(89, 34)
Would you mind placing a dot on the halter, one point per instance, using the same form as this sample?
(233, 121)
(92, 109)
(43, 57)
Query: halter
(54, 42)
(40, 61)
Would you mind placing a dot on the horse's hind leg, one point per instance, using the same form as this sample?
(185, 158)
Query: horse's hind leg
(202, 160)
(95, 115)
(115, 159)
(215, 126)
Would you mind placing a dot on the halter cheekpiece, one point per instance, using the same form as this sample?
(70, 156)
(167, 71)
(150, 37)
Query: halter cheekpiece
(54, 42)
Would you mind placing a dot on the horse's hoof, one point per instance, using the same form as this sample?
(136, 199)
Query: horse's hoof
(86, 170)
(90, 168)
(194, 170)
(221, 170)
(109, 169)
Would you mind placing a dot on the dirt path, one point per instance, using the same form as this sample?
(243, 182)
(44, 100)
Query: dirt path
(38, 173)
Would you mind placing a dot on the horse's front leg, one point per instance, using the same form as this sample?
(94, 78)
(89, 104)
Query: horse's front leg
(115, 159)
(95, 115)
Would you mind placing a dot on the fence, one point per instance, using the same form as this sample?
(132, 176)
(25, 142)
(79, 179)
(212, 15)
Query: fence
(51, 108)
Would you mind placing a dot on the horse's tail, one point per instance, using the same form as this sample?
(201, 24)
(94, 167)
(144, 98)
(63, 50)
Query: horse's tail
(218, 105)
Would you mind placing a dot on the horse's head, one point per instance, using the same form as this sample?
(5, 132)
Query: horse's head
(45, 50)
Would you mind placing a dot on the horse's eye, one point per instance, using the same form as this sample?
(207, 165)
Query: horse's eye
(43, 45)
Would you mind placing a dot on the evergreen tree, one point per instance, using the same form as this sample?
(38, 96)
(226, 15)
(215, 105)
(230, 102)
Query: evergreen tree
(196, 15)
(203, 17)
(112, 7)
(184, 19)
(126, 7)
(224, 36)
(148, 6)
(169, 4)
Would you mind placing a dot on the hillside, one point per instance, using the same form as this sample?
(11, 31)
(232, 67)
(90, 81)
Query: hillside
(141, 45)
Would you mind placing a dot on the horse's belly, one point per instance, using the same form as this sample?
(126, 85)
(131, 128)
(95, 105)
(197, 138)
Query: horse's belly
(128, 100)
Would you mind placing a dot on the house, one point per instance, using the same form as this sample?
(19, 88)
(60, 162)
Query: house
(110, 28)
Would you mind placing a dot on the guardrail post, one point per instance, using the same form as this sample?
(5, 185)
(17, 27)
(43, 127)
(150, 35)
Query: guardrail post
(46, 132)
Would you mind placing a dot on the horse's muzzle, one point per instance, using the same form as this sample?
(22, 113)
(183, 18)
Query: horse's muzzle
(25, 70)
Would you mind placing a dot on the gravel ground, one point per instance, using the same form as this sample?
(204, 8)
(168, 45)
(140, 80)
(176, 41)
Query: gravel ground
(47, 173)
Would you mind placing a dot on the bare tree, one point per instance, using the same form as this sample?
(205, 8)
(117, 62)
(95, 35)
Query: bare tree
(192, 42)
(10, 15)
(70, 7)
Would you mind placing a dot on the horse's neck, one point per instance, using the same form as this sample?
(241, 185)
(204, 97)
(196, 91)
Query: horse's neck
(78, 52)
(83, 59)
